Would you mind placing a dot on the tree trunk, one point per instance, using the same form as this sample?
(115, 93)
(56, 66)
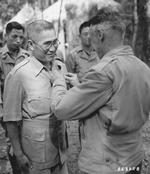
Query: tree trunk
(143, 31)
(135, 25)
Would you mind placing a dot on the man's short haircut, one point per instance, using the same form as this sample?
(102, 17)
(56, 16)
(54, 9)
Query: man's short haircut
(36, 27)
(109, 17)
(14, 25)
(83, 25)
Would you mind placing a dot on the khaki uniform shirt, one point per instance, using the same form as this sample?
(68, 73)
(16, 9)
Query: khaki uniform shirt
(7, 62)
(27, 97)
(79, 62)
(30, 92)
(114, 101)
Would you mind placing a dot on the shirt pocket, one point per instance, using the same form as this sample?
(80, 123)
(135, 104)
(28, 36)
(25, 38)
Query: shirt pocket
(39, 105)
(33, 143)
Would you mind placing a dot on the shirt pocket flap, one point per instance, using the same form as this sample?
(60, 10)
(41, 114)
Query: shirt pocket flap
(39, 105)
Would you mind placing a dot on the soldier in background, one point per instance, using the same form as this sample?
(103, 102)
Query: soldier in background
(78, 62)
(83, 57)
(10, 55)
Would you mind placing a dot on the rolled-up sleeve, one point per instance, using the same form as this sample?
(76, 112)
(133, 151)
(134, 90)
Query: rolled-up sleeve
(13, 98)
(83, 100)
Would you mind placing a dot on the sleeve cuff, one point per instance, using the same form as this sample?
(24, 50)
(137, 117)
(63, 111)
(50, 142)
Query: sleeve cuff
(12, 117)
(60, 82)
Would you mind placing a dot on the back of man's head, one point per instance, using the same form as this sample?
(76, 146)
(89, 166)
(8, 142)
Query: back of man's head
(108, 18)
(36, 27)
(14, 25)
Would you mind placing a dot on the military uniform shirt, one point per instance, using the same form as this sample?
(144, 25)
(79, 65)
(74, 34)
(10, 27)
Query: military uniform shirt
(7, 62)
(27, 97)
(79, 61)
(114, 101)
(30, 93)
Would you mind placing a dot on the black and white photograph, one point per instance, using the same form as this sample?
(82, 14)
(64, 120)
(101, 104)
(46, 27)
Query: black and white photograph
(74, 86)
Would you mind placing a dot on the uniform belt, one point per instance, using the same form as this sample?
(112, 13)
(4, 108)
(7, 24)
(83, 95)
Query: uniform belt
(39, 123)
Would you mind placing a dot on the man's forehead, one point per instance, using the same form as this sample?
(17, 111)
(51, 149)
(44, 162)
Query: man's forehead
(48, 40)
(46, 35)
(16, 31)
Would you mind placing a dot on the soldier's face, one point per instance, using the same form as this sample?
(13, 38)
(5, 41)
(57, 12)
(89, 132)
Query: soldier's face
(96, 41)
(46, 45)
(15, 38)
(85, 36)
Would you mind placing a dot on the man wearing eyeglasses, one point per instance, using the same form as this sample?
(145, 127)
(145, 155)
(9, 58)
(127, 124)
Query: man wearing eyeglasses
(41, 146)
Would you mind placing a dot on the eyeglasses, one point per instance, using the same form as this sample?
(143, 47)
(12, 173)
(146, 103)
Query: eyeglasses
(48, 46)
(54, 43)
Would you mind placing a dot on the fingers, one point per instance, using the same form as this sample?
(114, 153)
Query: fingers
(68, 78)
(72, 79)
(68, 74)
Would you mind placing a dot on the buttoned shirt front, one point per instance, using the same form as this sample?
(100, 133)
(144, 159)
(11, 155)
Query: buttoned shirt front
(114, 101)
(30, 94)
(79, 61)
(27, 97)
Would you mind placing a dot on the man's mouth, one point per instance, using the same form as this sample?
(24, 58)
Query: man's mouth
(50, 57)
(16, 45)
(51, 53)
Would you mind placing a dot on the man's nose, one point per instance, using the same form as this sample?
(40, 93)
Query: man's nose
(88, 34)
(18, 40)
(52, 48)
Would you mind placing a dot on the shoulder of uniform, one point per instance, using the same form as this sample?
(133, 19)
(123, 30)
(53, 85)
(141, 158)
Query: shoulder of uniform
(24, 53)
(100, 66)
(76, 50)
(19, 65)
(3, 50)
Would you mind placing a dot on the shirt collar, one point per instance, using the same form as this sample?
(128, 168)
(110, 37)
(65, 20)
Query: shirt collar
(119, 51)
(6, 56)
(38, 67)
(85, 55)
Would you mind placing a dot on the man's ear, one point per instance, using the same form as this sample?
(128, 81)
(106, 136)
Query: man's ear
(30, 45)
(100, 35)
